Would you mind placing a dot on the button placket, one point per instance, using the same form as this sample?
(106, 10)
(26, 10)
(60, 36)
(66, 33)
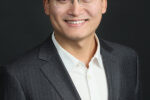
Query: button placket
(89, 81)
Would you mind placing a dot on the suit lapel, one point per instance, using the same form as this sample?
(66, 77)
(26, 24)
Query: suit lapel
(56, 73)
(111, 65)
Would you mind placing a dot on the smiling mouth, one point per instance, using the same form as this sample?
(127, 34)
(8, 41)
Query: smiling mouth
(75, 22)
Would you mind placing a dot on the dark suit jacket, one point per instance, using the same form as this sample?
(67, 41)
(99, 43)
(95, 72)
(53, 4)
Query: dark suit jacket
(41, 75)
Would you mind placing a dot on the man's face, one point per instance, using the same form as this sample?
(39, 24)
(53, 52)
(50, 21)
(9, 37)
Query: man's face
(77, 21)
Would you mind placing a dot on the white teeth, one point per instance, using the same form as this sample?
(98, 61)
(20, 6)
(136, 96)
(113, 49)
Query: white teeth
(75, 22)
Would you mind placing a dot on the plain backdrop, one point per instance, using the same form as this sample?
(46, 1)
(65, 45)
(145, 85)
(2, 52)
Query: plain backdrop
(23, 25)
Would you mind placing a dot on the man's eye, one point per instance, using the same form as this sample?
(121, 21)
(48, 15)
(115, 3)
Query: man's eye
(86, 1)
(62, 0)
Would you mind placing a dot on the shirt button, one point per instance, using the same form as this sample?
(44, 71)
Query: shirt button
(88, 77)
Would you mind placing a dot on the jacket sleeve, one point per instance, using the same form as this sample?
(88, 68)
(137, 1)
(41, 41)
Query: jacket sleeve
(10, 86)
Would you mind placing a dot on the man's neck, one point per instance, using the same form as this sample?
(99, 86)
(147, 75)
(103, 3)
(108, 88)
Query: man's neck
(83, 49)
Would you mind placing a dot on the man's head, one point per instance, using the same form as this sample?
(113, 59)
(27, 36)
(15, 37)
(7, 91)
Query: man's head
(75, 19)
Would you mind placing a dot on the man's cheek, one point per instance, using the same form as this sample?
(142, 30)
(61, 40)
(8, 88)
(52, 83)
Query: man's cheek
(93, 12)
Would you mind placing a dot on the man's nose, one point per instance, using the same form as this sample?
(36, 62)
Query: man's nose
(75, 8)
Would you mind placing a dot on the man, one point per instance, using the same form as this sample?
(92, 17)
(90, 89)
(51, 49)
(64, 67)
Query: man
(74, 64)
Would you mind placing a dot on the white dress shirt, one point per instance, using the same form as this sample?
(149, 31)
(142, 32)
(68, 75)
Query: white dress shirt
(91, 82)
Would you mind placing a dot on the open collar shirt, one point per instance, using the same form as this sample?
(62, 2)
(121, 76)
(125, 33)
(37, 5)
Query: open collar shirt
(91, 82)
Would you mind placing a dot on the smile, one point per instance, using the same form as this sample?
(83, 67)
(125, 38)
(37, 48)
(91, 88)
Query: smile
(75, 22)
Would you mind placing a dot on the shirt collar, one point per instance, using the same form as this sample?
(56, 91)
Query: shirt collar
(97, 56)
(70, 60)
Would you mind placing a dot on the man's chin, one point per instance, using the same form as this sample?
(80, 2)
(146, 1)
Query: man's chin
(77, 37)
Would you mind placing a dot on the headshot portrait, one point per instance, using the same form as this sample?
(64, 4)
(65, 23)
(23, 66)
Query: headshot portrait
(71, 51)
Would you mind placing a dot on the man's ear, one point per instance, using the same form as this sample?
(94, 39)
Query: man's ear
(46, 6)
(104, 6)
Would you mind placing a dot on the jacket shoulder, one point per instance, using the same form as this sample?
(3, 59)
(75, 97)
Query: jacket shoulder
(119, 49)
(28, 61)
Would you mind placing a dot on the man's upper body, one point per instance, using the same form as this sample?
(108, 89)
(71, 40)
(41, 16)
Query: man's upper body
(73, 64)
(41, 75)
